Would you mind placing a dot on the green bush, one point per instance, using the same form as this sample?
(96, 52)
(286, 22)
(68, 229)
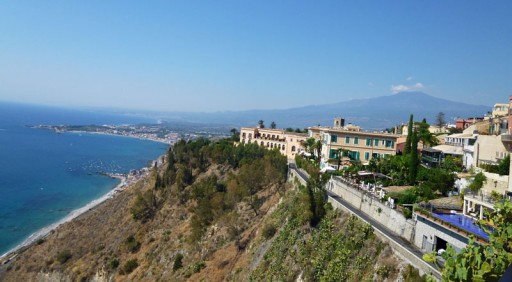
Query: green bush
(407, 213)
(64, 256)
(269, 230)
(178, 262)
(132, 244)
(114, 263)
(130, 266)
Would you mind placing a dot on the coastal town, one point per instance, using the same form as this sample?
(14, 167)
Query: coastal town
(473, 155)
(440, 218)
(163, 133)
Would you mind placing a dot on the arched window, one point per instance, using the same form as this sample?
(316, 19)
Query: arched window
(293, 148)
(250, 135)
(262, 143)
(268, 144)
(243, 135)
(283, 148)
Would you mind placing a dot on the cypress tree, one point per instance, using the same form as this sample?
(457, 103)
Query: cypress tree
(414, 161)
(408, 140)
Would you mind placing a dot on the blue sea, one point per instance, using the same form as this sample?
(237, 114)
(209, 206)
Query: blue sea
(44, 176)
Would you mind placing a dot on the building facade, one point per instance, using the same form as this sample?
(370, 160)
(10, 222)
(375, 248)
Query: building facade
(288, 143)
(356, 144)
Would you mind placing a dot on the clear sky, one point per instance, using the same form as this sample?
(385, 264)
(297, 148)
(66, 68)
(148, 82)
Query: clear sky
(239, 55)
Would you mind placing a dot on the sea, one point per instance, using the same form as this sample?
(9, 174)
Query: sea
(45, 176)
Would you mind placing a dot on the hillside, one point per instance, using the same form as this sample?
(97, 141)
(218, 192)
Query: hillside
(371, 113)
(215, 212)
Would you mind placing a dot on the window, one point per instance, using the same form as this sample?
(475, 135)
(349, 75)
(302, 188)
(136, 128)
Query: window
(376, 142)
(369, 141)
(376, 155)
(353, 155)
(347, 140)
(388, 143)
(293, 148)
(333, 154)
(356, 140)
(366, 155)
(334, 138)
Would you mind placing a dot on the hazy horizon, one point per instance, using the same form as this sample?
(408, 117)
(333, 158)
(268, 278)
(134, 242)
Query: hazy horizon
(236, 56)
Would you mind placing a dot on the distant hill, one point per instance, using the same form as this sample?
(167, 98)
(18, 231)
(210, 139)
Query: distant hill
(372, 113)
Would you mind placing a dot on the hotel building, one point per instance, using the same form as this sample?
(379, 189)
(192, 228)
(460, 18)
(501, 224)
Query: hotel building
(288, 143)
(361, 146)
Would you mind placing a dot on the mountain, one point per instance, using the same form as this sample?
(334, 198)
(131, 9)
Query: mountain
(371, 113)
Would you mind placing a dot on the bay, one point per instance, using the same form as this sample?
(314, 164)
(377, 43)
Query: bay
(44, 175)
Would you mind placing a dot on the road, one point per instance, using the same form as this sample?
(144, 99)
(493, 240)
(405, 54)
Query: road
(375, 224)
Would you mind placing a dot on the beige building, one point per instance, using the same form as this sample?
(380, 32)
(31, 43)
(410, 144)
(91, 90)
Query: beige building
(288, 143)
(361, 146)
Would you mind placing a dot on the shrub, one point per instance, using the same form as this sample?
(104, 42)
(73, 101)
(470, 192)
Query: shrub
(130, 266)
(407, 213)
(178, 262)
(64, 256)
(269, 230)
(132, 244)
(114, 263)
(195, 268)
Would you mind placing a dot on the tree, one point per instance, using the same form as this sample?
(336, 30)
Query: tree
(478, 182)
(235, 134)
(273, 125)
(440, 121)
(414, 161)
(317, 146)
(483, 263)
(407, 148)
(310, 145)
(425, 136)
(261, 124)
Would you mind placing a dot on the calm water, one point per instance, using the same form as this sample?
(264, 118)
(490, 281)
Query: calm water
(44, 175)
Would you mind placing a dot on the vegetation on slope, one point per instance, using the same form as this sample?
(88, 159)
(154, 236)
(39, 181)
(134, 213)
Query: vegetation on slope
(340, 248)
(211, 214)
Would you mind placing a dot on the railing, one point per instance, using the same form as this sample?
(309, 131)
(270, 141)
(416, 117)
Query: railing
(506, 138)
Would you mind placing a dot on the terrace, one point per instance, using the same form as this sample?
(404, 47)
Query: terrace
(455, 223)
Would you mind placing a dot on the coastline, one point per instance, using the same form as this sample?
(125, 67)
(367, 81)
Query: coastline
(120, 135)
(125, 182)
(43, 232)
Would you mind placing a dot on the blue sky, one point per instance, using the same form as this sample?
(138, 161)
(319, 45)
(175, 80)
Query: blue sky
(239, 55)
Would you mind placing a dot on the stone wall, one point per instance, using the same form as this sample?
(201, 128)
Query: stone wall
(370, 205)
(293, 175)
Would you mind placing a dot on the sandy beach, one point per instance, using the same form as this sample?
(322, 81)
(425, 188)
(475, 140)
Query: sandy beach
(72, 215)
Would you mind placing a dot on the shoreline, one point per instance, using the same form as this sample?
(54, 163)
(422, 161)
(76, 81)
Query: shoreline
(43, 232)
(120, 135)
(124, 183)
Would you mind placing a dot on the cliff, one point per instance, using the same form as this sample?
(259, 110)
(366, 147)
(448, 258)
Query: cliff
(216, 212)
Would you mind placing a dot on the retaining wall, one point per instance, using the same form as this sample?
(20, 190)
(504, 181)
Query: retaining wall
(391, 218)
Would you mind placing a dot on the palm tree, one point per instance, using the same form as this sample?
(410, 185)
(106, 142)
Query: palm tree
(273, 125)
(318, 147)
(309, 144)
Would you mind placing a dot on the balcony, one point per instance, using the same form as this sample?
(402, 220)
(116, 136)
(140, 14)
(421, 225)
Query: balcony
(506, 138)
